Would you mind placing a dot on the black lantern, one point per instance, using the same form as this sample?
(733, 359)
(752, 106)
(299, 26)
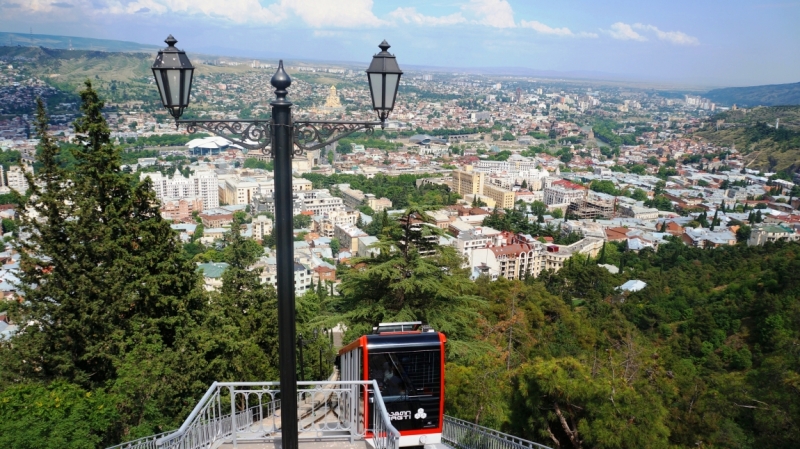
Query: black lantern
(384, 78)
(173, 73)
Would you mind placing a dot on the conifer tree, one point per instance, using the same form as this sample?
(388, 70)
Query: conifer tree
(102, 268)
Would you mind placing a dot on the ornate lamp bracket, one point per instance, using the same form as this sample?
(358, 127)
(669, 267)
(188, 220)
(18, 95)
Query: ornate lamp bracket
(256, 135)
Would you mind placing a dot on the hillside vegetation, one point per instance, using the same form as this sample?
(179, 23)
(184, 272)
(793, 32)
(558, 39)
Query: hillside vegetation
(753, 133)
(118, 77)
(78, 43)
(771, 95)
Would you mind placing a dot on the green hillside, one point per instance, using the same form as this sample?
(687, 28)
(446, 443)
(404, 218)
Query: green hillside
(76, 43)
(771, 95)
(753, 133)
(117, 76)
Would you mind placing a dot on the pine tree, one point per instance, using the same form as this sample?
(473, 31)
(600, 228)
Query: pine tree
(102, 269)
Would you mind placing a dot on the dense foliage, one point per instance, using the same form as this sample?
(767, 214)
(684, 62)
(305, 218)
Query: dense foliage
(604, 130)
(401, 190)
(707, 354)
(119, 340)
(125, 340)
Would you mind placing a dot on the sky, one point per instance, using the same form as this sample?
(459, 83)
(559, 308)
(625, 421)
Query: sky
(693, 42)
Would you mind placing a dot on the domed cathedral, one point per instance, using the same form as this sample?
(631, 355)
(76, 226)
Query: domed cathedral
(332, 103)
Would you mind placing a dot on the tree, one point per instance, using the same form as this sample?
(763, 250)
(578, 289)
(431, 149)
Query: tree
(335, 246)
(639, 194)
(605, 186)
(9, 226)
(247, 310)
(558, 213)
(538, 208)
(103, 254)
(743, 233)
(302, 221)
(55, 416)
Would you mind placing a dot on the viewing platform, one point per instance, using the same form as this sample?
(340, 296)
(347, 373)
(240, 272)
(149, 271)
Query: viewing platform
(330, 415)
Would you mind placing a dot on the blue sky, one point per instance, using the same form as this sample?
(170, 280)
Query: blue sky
(701, 42)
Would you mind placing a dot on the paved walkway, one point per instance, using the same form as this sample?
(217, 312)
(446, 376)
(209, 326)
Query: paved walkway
(313, 413)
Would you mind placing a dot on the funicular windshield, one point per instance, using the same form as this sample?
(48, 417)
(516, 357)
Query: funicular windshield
(410, 383)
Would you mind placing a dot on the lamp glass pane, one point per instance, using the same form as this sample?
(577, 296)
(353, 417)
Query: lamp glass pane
(376, 83)
(174, 80)
(391, 88)
(187, 85)
(160, 84)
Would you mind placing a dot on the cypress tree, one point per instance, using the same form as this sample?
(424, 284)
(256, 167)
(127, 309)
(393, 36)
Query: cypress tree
(102, 269)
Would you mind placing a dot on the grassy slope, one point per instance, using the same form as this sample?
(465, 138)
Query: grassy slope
(765, 153)
(772, 95)
(118, 77)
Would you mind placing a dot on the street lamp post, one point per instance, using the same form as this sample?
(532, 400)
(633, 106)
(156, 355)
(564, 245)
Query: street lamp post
(282, 137)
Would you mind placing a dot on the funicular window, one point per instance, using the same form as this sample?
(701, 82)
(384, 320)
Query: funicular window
(407, 373)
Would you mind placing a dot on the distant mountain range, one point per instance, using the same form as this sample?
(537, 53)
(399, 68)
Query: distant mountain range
(771, 95)
(76, 43)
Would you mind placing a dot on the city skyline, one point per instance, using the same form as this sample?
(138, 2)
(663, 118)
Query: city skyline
(715, 44)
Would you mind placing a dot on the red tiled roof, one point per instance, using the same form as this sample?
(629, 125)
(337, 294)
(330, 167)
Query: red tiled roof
(569, 185)
(613, 234)
(511, 250)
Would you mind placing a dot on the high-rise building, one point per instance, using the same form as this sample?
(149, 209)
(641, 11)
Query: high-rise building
(16, 179)
(563, 192)
(202, 184)
(503, 198)
(468, 182)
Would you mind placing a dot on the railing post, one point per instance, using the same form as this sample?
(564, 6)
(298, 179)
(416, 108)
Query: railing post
(233, 415)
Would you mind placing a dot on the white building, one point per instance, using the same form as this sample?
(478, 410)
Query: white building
(16, 179)
(563, 192)
(262, 226)
(302, 277)
(202, 184)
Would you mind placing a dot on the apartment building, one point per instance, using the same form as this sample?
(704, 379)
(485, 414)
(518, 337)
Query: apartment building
(355, 198)
(348, 236)
(326, 223)
(16, 179)
(522, 256)
(302, 277)
(238, 191)
(563, 192)
(468, 182)
(503, 198)
(262, 226)
(180, 209)
(202, 184)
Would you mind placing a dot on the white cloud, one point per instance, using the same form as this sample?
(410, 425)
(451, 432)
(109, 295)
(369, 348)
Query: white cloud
(336, 14)
(545, 29)
(494, 13)
(314, 13)
(539, 27)
(675, 37)
(625, 32)
(410, 15)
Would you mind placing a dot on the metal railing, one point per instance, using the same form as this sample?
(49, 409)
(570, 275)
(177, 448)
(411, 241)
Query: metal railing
(233, 412)
(148, 442)
(462, 434)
